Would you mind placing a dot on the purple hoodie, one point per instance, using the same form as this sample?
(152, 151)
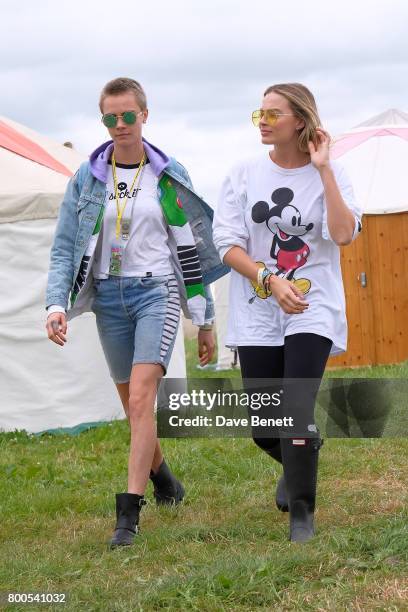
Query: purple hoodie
(98, 160)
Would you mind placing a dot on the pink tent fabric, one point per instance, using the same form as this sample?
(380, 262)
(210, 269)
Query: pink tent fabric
(12, 140)
(374, 154)
(348, 141)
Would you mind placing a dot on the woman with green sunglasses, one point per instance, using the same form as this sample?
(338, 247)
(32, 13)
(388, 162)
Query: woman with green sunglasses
(280, 220)
(125, 249)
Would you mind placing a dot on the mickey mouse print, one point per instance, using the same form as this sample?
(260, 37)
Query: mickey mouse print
(288, 248)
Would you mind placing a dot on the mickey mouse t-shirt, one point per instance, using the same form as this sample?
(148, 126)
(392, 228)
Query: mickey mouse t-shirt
(279, 217)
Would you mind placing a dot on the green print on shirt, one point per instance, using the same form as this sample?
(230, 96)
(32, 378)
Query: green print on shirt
(172, 207)
(98, 223)
(177, 218)
(192, 290)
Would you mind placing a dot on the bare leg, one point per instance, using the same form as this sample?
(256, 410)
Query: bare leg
(123, 390)
(144, 379)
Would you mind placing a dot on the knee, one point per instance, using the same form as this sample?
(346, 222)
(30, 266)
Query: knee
(140, 404)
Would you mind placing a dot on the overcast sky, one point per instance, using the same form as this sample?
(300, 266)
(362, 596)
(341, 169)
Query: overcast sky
(204, 66)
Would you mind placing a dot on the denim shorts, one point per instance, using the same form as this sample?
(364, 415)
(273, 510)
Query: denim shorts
(137, 320)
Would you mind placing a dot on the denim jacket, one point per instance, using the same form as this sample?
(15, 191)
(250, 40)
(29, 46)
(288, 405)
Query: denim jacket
(70, 272)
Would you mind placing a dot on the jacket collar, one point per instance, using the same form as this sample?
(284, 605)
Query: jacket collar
(98, 160)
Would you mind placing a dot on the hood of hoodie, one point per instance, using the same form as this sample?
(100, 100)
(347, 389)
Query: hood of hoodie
(98, 160)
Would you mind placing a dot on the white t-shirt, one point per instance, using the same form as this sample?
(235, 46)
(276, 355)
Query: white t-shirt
(147, 248)
(279, 217)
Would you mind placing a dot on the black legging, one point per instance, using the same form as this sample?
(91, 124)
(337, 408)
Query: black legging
(303, 355)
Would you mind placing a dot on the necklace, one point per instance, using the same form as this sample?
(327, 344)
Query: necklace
(120, 209)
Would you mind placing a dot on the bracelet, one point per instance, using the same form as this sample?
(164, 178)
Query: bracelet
(259, 276)
(206, 327)
(266, 287)
(263, 276)
(265, 280)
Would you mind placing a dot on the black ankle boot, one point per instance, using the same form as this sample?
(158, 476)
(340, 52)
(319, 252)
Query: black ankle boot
(128, 506)
(300, 462)
(167, 489)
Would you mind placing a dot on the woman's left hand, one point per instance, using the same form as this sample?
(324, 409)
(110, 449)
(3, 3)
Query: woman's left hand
(319, 153)
(206, 346)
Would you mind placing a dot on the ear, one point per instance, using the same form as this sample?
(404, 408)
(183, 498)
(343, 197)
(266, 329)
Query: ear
(260, 212)
(282, 197)
(145, 115)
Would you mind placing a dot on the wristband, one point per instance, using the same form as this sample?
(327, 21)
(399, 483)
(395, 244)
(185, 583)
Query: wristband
(265, 280)
(263, 275)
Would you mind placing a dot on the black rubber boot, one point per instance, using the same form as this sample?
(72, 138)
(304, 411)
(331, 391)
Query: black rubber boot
(281, 495)
(167, 489)
(128, 506)
(272, 447)
(300, 462)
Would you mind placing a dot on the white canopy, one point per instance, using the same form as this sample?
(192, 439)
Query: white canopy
(31, 190)
(375, 155)
(42, 385)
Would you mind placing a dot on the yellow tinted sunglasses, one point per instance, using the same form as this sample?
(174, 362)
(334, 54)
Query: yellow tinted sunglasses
(271, 116)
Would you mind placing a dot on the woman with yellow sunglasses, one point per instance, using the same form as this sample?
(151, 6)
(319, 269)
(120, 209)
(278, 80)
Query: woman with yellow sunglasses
(280, 220)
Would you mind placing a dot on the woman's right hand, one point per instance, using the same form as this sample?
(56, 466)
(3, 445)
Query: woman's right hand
(56, 327)
(288, 296)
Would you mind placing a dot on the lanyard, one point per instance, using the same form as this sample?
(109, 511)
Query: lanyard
(120, 209)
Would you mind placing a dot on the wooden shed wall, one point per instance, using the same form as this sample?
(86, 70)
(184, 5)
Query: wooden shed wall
(378, 313)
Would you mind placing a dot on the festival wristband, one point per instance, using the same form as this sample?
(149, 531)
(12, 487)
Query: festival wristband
(265, 280)
(263, 276)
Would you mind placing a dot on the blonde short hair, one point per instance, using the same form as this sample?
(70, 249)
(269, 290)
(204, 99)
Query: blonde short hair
(303, 105)
(123, 85)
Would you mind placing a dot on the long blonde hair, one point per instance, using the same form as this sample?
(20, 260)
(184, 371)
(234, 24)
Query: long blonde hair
(303, 105)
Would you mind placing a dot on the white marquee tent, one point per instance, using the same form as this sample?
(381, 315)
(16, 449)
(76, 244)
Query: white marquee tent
(44, 386)
(375, 155)
(227, 357)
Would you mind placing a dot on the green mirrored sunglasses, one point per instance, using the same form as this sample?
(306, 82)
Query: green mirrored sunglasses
(110, 119)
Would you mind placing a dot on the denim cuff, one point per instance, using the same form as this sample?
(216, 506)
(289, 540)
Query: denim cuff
(209, 308)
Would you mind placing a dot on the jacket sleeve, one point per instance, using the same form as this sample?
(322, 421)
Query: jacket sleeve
(347, 193)
(209, 308)
(55, 308)
(61, 269)
(183, 173)
(229, 227)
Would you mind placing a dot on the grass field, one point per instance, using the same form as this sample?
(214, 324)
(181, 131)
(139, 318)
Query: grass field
(225, 548)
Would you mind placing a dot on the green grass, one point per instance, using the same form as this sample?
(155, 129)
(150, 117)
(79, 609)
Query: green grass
(224, 548)
(399, 370)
